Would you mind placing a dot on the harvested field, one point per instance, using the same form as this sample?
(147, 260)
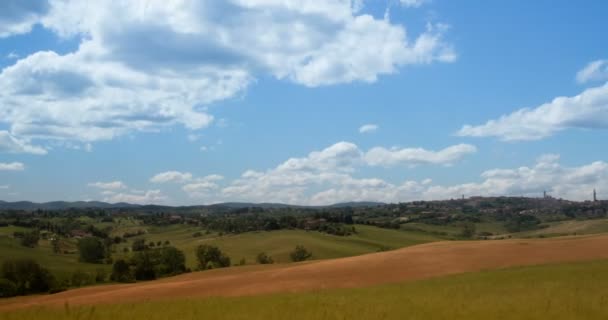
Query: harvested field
(412, 263)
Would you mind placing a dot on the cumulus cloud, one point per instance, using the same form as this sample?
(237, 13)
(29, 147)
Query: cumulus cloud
(587, 110)
(594, 71)
(123, 79)
(136, 197)
(112, 185)
(327, 176)
(171, 176)
(380, 156)
(11, 144)
(368, 128)
(19, 16)
(326, 187)
(12, 166)
(204, 187)
(413, 3)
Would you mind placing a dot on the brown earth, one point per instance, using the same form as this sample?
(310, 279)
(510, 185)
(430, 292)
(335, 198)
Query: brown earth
(417, 262)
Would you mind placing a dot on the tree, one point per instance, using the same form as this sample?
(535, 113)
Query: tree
(80, 278)
(263, 258)
(28, 276)
(121, 272)
(211, 257)
(30, 239)
(300, 254)
(56, 245)
(144, 264)
(172, 261)
(468, 230)
(139, 245)
(7, 288)
(91, 250)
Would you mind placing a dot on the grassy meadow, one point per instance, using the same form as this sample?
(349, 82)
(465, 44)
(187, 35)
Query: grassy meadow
(246, 246)
(564, 291)
(279, 243)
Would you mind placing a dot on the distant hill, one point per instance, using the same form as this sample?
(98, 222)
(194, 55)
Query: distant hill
(62, 205)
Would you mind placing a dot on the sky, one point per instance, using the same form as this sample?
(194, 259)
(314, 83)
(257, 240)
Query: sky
(307, 102)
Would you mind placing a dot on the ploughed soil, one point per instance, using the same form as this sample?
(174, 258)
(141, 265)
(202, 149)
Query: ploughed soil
(411, 263)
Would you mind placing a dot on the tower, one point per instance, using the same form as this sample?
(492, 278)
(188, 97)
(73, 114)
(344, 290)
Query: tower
(594, 196)
(544, 194)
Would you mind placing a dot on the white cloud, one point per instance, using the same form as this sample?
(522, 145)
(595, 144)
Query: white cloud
(122, 79)
(19, 16)
(112, 185)
(12, 166)
(368, 128)
(147, 197)
(588, 110)
(380, 156)
(575, 183)
(11, 144)
(4, 187)
(171, 176)
(12, 56)
(594, 71)
(413, 3)
(203, 187)
(326, 176)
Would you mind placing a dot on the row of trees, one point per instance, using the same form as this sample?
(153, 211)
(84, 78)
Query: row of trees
(24, 276)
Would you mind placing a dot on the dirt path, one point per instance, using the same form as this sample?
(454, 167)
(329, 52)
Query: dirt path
(417, 262)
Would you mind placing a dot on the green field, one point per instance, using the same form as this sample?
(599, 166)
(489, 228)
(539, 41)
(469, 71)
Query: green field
(566, 291)
(62, 265)
(569, 227)
(246, 246)
(279, 243)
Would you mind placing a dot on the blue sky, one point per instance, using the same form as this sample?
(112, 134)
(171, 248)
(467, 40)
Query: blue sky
(306, 102)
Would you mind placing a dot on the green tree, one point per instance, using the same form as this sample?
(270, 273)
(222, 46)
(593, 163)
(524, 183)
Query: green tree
(7, 288)
(300, 254)
(28, 276)
(30, 239)
(80, 278)
(263, 258)
(121, 272)
(211, 257)
(56, 245)
(468, 230)
(172, 261)
(91, 250)
(139, 244)
(145, 263)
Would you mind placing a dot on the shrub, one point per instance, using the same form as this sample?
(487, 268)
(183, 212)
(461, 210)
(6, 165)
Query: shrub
(7, 288)
(197, 234)
(468, 230)
(100, 275)
(80, 278)
(211, 257)
(300, 254)
(263, 258)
